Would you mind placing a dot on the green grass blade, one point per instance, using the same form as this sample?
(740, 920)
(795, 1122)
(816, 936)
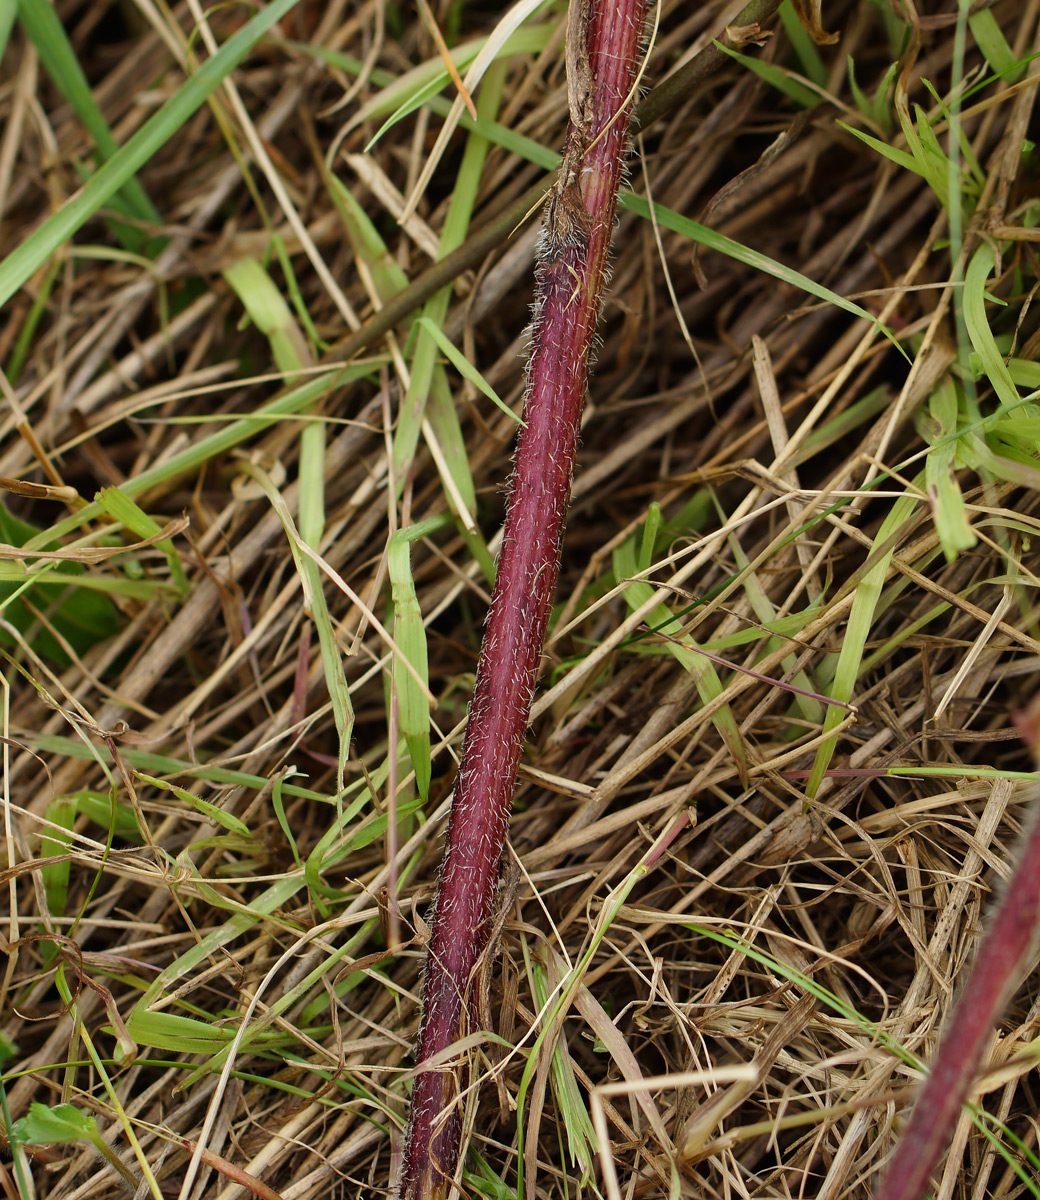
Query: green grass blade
(389, 279)
(990, 39)
(43, 28)
(683, 648)
(498, 135)
(210, 811)
(803, 45)
(901, 158)
(464, 367)
(975, 319)
(122, 509)
(882, 104)
(20, 264)
(55, 844)
(312, 519)
(858, 95)
(98, 807)
(573, 1115)
(270, 314)
(776, 77)
(944, 493)
(293, 401)
(388, 276)
(32, 321)
(8, 9)
(413, 708)
(861, 616)
(456, 224)
(418, 86)
(273, 316)
(651, 532)
(970, 183)
(811, 709)
(696, 232)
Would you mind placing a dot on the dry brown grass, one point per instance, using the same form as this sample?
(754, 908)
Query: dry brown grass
(874, 888)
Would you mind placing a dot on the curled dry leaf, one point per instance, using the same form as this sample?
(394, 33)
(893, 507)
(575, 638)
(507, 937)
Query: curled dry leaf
(95, 554)
(738, 36)
(811, 16)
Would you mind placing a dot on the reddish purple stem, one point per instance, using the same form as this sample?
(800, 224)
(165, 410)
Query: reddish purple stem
(1004, 954)
(570, 275)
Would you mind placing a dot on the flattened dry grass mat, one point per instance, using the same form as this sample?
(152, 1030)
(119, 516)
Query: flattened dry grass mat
(267, 275)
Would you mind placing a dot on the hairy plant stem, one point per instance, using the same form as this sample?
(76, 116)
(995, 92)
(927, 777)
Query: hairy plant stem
(675, 91)
(603, 48)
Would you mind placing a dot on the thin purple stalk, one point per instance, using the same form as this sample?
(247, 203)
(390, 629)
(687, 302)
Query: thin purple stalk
(603, 48)
(1004, 954)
